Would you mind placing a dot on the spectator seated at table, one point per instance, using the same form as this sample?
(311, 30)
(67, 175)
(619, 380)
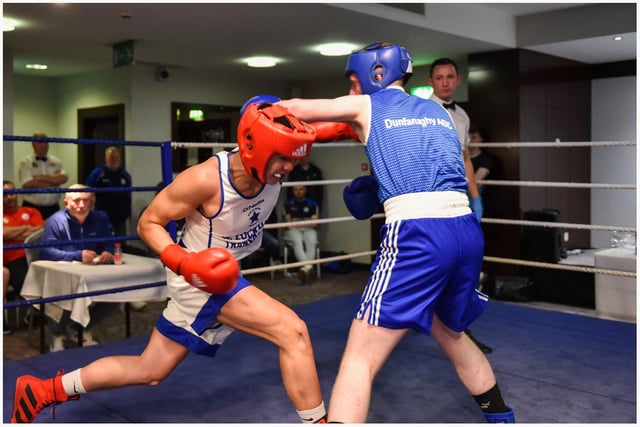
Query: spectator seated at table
(78, 220)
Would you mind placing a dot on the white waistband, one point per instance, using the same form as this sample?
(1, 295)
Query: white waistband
(442, 204)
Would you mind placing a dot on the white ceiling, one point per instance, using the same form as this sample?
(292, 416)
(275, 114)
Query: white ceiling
(214, 37)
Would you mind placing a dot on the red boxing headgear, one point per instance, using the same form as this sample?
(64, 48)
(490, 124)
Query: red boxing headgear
(267, 129)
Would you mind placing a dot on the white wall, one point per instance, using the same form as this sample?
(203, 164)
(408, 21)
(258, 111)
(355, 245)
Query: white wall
(50, 105)
(7, 110)
(613, 118)
(34, 111)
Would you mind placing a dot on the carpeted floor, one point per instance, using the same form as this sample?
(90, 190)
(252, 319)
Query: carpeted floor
(552, 368)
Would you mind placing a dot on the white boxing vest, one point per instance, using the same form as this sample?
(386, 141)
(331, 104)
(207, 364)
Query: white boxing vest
(239, 223)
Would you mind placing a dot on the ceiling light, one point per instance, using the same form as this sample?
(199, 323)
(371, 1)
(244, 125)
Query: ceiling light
(336, 49)
(617, 38)
(262, 62)
(8, 24)
(38, 67)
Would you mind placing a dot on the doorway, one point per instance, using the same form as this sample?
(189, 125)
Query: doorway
(200, 123)
(98, 123)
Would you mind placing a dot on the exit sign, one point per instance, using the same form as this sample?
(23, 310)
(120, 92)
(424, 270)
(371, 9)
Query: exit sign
(123, 53)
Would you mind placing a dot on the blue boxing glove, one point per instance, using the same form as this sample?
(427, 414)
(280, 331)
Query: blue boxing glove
(259, 99)
(361, 197)
(476, 206)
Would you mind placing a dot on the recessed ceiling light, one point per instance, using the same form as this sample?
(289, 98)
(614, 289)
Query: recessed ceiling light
(617, 38)
(336, 49)
(262, 62)
(8, 24)
(38, 67)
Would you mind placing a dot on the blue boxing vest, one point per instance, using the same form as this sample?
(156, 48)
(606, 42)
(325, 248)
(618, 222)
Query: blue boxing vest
(413, 146)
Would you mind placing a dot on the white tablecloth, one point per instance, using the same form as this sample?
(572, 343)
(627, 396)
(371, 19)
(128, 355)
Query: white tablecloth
(54, 278)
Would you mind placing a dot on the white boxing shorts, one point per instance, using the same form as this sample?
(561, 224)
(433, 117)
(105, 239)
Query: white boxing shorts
(425, 266)
(190, 316)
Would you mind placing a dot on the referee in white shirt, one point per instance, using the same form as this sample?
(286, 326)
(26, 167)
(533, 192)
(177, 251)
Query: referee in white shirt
(41, 170)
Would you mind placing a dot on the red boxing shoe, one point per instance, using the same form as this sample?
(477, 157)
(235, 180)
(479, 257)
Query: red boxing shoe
(32, 395)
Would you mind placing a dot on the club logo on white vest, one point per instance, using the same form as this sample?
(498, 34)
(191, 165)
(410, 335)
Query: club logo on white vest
(300, 151)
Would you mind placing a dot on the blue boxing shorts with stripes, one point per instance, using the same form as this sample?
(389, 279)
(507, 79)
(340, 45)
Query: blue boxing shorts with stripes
(425, 266)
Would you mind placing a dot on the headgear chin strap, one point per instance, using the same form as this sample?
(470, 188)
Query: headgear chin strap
(395, 61)
(265, 130)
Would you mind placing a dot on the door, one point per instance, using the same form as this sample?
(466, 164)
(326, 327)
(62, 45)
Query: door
(98, 123)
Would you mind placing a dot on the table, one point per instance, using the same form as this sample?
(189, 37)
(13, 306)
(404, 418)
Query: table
(616, 295)
(47, 279)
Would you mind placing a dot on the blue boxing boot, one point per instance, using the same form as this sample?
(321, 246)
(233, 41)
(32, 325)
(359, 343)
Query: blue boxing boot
(501, 418)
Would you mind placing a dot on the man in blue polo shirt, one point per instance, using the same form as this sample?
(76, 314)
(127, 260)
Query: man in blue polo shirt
(303, 239)
(78, 220)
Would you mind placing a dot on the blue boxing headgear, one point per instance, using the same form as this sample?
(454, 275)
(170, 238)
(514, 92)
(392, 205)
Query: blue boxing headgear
(259, 99)
(395, 61)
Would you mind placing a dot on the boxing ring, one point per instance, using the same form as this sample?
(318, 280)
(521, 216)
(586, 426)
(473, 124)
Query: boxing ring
(329, 319)
(167, 148)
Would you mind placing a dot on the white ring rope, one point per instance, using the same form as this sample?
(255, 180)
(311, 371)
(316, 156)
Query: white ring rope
(488, 182)
(235, 144)
(566, 225)
(482, 144)
(316, 221)
(483, 182)
(319, 182)
(557, 184)
(558, 225)
(557, 144)
(560, 266)
(300, 264)
(486, 259)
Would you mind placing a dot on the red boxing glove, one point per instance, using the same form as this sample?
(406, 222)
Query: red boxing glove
(333, 131)
(213, 270)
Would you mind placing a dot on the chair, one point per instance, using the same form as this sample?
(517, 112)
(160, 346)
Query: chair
(286, 258)
(32, 254)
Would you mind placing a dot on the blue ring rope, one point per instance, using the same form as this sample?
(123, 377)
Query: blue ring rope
(71, 242)
(82, 294)
(82, 141)
(79, 190)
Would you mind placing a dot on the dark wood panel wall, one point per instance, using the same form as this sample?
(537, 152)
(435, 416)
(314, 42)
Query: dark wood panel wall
(525, 96)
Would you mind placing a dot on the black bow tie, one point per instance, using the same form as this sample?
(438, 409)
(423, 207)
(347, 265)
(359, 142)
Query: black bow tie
(451, 106)
(42, 158)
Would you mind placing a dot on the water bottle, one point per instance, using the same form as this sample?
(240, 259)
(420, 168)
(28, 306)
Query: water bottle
(117, 254)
